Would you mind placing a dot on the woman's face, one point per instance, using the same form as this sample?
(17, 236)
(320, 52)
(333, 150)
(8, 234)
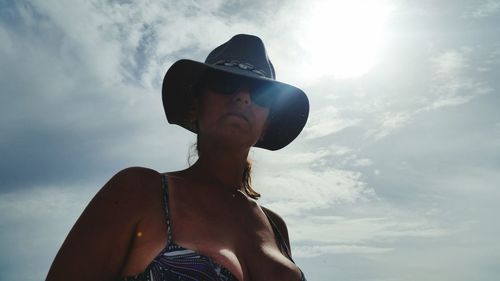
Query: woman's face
(231, 118)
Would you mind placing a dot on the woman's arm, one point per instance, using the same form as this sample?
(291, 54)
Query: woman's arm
(97, 245)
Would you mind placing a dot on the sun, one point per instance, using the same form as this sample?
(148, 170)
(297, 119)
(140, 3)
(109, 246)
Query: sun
(343, 37)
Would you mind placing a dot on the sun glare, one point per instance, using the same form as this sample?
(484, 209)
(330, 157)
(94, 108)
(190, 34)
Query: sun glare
(343, 38)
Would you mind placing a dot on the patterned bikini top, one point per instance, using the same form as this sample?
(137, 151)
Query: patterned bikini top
(178, 263)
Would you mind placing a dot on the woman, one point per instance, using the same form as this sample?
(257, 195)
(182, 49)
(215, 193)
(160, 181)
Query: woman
(201, 223)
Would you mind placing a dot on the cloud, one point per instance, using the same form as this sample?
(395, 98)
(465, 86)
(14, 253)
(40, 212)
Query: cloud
(83, 84)
(364, 162)
(322, 235)
(449, 64)
(322, 189)
(454, 80)
(327, 121)
(308, 175)
(389, 122)
(363, 230)
(439, 78)
(484, 9)
(319, 250)
(493, 59)
(452, 85)
(34, 223)
(137, 41)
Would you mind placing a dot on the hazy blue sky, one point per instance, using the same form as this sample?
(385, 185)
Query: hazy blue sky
(395, 176)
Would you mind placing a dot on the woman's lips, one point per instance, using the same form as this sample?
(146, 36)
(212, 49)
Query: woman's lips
(237, 114)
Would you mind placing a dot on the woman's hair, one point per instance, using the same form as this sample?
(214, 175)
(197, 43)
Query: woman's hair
(246, 178)
(247, 181)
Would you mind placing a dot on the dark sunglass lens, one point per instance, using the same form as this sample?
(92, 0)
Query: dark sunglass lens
(228, 85)
(231, 85)
(261, 95)
(222, 84)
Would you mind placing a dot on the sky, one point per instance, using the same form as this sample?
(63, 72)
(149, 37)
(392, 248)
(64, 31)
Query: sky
(394, 177)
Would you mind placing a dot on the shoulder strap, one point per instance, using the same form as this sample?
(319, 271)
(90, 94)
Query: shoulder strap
(279, 237)
(166, 208)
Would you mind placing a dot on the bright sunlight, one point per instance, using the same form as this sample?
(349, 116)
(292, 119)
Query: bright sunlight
(343, 38)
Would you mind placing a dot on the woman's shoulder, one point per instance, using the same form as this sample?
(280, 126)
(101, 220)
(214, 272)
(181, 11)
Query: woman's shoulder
(136, 173)
(102, 234)
(279, 223)
(134, 182)
(134, 178)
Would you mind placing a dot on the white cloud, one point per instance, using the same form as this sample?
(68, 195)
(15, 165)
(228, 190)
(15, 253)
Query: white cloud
(285, 191)
(452, 84)
(38, 218)
(138, 41)
(7, 46)
(95, 70)
(309, 175)
(316, 158)
(336, 150)
(81, 27)
(327, 121)
(318, 250)
(364, 162)
(484, 9)
(449, 65)
(389, 122)
(333, 235)
(343, 230)
(41, 202)
(493, 59)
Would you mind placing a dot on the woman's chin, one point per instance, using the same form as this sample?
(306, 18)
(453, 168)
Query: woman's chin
(235, 137)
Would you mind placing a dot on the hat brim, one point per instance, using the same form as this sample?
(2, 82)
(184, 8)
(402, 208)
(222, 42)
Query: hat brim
(287, 115)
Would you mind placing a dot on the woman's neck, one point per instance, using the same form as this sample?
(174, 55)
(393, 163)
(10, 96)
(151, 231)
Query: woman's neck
(221, 166)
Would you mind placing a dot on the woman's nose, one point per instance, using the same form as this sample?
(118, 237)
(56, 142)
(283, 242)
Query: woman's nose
(242, 95)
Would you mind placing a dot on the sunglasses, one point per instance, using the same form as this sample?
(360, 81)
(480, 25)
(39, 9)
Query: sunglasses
(260, 93)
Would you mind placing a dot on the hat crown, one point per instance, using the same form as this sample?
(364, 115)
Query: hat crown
(246, 52)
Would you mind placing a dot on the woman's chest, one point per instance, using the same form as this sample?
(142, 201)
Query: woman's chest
(248, 252)
(246, 247)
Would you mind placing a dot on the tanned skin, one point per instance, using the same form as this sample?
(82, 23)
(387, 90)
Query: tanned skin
(123, 228)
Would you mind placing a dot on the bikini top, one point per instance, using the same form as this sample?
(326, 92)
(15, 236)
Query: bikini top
(178, 263)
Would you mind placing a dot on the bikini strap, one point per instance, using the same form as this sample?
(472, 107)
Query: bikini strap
(278, 235)
(166, 208)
